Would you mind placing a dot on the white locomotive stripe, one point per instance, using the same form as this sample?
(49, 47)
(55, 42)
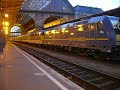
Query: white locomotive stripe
(47, 74)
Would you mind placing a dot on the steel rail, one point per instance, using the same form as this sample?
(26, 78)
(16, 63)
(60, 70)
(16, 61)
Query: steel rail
(81, 75)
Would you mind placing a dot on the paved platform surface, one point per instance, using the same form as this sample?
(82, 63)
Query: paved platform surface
(21, 71)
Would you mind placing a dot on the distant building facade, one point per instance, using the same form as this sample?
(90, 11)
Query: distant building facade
(81, 11)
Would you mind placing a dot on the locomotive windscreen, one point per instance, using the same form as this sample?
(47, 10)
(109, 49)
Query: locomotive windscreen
(116, 25)
(115, 21)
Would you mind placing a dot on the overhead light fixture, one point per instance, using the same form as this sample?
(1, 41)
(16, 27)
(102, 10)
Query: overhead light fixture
(6, 28)
(6, 23)
(6, 32)
(6, 15)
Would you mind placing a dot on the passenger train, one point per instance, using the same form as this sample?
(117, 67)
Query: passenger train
(94, 36)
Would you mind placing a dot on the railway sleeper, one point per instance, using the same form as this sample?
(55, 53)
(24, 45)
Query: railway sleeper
(62, 65)
(95, 80)
(105, 83)
(69, 70)
(56, 62)
(110, 86)
(90, 77)
(70, 67)
(59, 62)
(87, 75)
(101, 81)
(80, 72)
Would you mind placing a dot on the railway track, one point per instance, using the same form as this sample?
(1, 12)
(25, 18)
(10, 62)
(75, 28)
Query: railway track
(85, 77)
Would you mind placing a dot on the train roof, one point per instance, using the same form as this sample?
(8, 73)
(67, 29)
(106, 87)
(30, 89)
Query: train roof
(101, 18)
(113, 18)
(70, 23)
(96, 19)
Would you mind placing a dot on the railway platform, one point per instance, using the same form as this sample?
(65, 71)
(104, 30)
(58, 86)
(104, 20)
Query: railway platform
(21, 71)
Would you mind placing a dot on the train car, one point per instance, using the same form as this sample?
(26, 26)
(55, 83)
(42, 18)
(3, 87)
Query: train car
(97, 35)
(94, 35)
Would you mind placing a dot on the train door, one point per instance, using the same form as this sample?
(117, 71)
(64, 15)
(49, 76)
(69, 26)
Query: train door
(92, 35)
(101, 36)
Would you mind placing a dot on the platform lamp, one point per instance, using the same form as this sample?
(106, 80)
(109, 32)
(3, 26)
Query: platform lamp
(1, 16)
(6, 23)
(6, 12)
(6, 15)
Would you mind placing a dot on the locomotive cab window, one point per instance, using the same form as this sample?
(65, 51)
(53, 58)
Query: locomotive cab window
(115, 21)
(91, 26)
(80, 27)
(99, 26)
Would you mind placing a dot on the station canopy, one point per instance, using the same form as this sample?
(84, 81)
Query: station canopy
(45, 8)
(40, 10)
(10, 7)
(14, 7)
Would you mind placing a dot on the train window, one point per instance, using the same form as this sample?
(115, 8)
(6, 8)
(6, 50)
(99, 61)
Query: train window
(99, 26)
(91, 27)
(80, 27)
(63, 30)
(42, 33)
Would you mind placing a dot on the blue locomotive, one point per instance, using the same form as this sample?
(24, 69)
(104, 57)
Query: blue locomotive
(95, 36)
